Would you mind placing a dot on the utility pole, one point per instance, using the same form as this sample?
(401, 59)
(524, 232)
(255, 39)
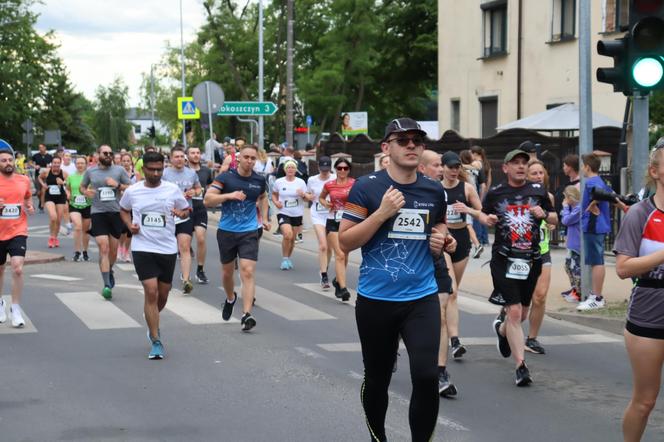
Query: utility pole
(261, 127)
(184, 131)
(289, 75)
(154, 133)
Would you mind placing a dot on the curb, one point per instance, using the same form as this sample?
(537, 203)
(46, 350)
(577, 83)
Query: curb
(612, 325)
(41, 258)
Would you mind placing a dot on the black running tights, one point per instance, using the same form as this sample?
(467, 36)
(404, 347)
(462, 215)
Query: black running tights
(379, 324)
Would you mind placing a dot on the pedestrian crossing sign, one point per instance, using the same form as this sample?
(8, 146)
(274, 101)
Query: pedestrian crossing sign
(187, 110)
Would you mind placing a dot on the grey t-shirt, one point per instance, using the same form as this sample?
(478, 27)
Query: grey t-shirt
(106, 198)
(642, 233)
(184, 178)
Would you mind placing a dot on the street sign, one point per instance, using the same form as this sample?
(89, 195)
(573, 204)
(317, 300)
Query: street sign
(4, 144)
(247, 108)
(309, 120)
(187, 110)
(216, 95)
(52, 137)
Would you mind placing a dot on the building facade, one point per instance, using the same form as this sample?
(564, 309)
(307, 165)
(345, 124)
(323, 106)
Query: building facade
(141, 123)
(502, 60)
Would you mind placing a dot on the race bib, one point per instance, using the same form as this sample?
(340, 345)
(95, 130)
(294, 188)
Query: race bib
(517, 269)
(453, 216)
(179, 220)
(11, 211)
(106, 194)
(54, 190)
(290, 203)
(153, 220)
(321, 208)
(410, 224)
(80, 200)
(199, 197)
(338, 215)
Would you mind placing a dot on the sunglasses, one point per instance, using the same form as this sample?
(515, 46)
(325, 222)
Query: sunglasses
(405, 141)
(343, 168)
(106, 154)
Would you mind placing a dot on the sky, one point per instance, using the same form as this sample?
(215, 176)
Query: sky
(100, 39)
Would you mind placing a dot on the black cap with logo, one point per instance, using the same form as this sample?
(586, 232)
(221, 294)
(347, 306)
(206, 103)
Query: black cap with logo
(451, 159)
(324, 164)
(401, 125)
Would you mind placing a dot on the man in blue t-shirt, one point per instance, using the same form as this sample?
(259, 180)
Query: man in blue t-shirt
(397, 217)
(239, 191)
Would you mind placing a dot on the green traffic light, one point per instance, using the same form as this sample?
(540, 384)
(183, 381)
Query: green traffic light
(648, 71)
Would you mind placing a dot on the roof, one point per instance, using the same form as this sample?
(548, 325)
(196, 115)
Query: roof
(564, 117)
(134, 113)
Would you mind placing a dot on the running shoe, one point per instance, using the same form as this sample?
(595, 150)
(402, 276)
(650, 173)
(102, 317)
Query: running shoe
(17, 317)
(445, 387)
(227, 309)
(458, 350)
(56, 242)
(503, 344)
(51, 242)
(107, 293)
(337, 288)
(299, 239)
(523, 375)
(201, 277)
(248, 322)
(69, 228)
(158, 335)
(77, 256)
(284, 264)
(290, 264)
(3, 312)
(86, 258)
(324, 282)
(187, 287)
(345, 294)
(533, 346)
(573, 297)
(157, 351)
(111, 279)
(567, 292)
(477, 251)
(592, 303)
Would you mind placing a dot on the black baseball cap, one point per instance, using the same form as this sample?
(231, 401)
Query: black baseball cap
(400, 125)
(451, 159)
(515, 153)
(528, 146)
(324, 164)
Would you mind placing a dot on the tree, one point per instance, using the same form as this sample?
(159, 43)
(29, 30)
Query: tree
(109, 124)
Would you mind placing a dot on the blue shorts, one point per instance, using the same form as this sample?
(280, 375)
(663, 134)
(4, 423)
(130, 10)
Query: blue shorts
(594, 248)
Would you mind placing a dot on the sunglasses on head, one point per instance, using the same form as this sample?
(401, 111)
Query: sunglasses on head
(404, 141)
(343, 168)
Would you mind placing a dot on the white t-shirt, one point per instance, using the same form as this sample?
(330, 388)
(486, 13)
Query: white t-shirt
(151, 208)
(315, 185)
(287, 190)
(69, 169)
(263, 168)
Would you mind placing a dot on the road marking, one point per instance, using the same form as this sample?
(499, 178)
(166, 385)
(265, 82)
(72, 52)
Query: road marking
(95, 312)
(56, 277)
(7, 328)
(474, 306)
(195, 311)
(309, 353)
(31, 228)
(127, 267)
(130, 286)
(286, 307)
(315, 287)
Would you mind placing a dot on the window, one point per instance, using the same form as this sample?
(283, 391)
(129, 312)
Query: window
(489, 115)
(616, 15)
(455, 115)
(495, 27)
(564, 20)
(137, 128)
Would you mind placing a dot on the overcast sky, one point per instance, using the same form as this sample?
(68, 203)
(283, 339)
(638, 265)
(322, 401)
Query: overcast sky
(101, 39)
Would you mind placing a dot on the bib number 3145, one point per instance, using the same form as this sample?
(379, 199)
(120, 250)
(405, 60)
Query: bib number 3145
(410, 224)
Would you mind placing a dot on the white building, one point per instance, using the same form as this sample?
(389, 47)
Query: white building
(141, 122)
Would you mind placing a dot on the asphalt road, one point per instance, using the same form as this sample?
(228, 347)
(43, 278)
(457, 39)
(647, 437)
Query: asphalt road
(79, 370)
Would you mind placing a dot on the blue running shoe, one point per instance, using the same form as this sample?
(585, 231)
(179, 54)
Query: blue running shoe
(157, 351)
(284, 264)
(290, 264)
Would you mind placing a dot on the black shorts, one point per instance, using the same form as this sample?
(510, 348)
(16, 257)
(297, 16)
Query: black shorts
(514, 291)
(332, 226)
(442, 274)
(15, 246)
(462, 237)
(55, 199)
(150, 265)
(200, 217)
(644, 332)
(186, 227)
(237, 244)
(85, 212)
(107, 223)
(294, 221)
(546, 259)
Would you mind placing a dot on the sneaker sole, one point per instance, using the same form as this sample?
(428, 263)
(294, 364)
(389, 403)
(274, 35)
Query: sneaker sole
(448, 392)
(187, 288)
(458, 354)
(248, 324)
(155, 357)
(524, 382)
(530, 350)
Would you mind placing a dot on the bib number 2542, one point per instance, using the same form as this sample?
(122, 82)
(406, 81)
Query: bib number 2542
(410, 224)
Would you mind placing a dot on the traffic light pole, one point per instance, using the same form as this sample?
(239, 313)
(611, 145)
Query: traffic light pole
(640, 146)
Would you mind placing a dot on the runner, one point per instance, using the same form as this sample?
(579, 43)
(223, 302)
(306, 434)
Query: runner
(103, 184)
(318, 214)
(199, 214)
(462, 201)
(239, 191)
(68, 165)
(148, 211)
(397, 291)
(288, 195)
(79, 210)
(537, 174)
(639, 254)
(42, 159)
(431, 166)
(125, 239)
(55, 199)
(337, 190)
(15, 205)
(516, 208)
(187, 180)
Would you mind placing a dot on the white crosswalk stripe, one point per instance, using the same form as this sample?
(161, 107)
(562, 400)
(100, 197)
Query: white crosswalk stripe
(6, 328)
(286, 307)
(55, 277)
(195, 311)
(127, 267)
(316, 288)
(95, 312)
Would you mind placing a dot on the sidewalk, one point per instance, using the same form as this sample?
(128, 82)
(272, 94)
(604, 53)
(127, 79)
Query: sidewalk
(36, 257)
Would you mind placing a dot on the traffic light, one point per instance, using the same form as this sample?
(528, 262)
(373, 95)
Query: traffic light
(151, 132)
(617, 75)
(646, 27)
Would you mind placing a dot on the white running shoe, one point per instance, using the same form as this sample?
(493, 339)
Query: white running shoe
(3, 313)
(591, 304)
(17, 317)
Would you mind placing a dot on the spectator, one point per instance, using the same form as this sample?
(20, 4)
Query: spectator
(571, 218)
(263, 164)
(481, 162)
(384, 161)
(302, 168)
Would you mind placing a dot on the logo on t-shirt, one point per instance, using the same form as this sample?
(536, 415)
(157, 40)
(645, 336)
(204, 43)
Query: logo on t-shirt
(520, 223)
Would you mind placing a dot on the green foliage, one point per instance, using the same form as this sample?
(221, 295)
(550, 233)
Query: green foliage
(109, 122)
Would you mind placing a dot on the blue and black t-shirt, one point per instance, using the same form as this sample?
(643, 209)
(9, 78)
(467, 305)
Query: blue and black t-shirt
(239, 216)
(396, 262)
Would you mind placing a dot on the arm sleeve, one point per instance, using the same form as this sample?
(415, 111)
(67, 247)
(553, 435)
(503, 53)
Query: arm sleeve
(125, 200)
(628, 239)
(85, 182)
(218, 182)
(356, 208)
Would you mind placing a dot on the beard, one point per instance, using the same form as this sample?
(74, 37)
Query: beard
(153, 181)
(8, 170)
(106, 160)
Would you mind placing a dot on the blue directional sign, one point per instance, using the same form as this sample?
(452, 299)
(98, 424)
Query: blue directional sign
(309, 120)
